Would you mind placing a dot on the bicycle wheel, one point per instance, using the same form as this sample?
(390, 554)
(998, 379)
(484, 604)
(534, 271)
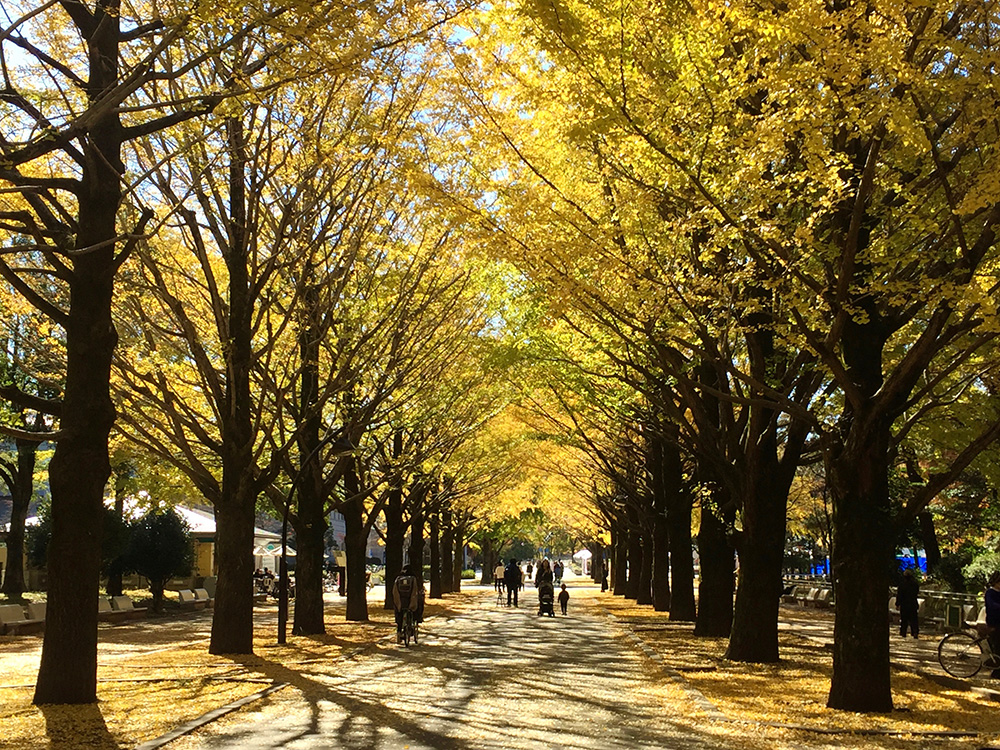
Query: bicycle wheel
(416, 629)
(960, 654)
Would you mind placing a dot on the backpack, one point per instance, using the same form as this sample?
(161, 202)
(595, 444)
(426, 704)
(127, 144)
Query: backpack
(404, 585)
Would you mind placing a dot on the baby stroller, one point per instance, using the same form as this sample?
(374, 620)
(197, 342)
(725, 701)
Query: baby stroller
(546, 595)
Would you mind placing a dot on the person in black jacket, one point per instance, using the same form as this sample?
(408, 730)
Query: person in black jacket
(906, 603)
(512, 579)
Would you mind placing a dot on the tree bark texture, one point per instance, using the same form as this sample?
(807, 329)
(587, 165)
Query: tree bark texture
(755, 620)
(355, 541)
(659, 535)
(21, 484)
(435, 545)
(715, 593)
(232, 621)
(644, 594)
(447, 550)
(862, 556)
(489, 561)
(633, 552)
(620, 569)
(80, 466)
(417, 502)
(458, 557)
(311, 519)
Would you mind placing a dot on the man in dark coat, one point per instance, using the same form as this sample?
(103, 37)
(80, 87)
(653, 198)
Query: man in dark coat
(907, 604)
(512, 580)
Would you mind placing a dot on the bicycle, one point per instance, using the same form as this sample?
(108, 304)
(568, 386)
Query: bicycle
(964, 653)
(410, 628)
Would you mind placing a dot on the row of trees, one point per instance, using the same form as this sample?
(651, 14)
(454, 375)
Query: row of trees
(767, 237)
(296, 318)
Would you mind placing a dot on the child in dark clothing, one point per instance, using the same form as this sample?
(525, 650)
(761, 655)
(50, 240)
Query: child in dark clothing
(563, 598)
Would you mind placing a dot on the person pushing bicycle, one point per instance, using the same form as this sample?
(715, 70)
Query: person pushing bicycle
(407, 594)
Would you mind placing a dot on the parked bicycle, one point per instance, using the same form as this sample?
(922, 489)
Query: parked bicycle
(964, 653)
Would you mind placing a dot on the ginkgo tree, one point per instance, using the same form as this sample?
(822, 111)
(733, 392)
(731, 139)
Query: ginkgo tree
(81, 80)
(834, 163)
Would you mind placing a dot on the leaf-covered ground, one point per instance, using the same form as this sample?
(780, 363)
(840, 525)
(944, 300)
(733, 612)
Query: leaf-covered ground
(157, 675)
(754, 697)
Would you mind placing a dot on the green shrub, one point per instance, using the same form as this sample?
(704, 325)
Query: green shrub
(468, 575)
(978, 572)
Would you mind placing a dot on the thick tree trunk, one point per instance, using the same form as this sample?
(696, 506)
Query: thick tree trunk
(355, 541)
(863, 552)
(715, 593)
(633, 553)
(447, 550)
(644, 593)
(311, 520)
(417, 496)
(395, 532)
(489, 562)
(928, 535)
(682, 601)
(20, 495)
(661, 565)
(458, 558)
(596, 561)
(755, 619)
(156, 590)
(80, 467)
(234, 588)
(620, 569)
(310, 549)
(435, 545)
(114, 585)
(658, 468)
(232, 621)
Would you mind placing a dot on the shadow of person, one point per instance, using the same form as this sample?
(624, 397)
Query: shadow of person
(77, 726)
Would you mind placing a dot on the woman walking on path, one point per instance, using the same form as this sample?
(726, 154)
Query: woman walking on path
(544, 574)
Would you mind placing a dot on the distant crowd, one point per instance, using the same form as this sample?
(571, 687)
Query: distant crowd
(510, 578)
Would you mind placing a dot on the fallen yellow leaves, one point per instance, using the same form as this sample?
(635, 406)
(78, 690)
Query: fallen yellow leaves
(793, 694)
(157, 675)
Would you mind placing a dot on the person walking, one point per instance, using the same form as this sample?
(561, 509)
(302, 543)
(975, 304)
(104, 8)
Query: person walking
(563, 599)
(907, 604)
(512, 579)
(498, 576)
(544, 574)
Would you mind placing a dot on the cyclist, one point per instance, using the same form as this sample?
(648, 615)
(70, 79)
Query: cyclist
(992, 601)
(407, 594)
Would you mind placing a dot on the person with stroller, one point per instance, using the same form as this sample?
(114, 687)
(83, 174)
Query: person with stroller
(498, 577)
(544, 574)
(546, 597)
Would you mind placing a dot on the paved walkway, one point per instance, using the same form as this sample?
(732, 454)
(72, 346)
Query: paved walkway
(492, 678)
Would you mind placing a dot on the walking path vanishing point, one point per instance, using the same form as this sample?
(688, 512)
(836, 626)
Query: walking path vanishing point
(490, 678)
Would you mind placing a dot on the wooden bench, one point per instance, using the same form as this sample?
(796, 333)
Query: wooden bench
(13, 621)
(124, 604)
